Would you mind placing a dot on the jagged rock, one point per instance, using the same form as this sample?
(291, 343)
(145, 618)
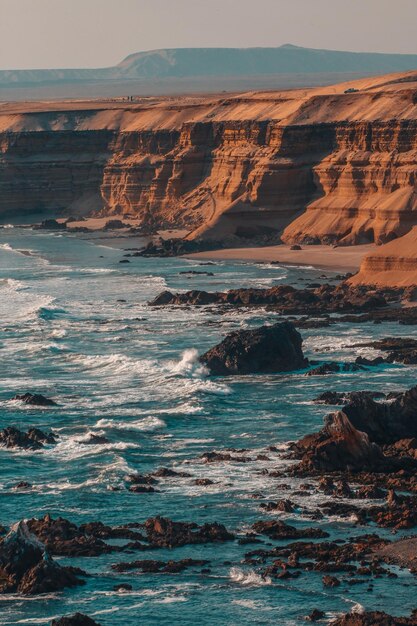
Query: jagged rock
(35, 399)
(34, 439)
(78, 619)
(165, 533)
(339, 446)
(26, 567)
(384, 422)
(331, 581)
(267, 349)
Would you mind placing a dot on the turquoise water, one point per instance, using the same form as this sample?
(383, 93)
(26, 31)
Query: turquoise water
(129, 372)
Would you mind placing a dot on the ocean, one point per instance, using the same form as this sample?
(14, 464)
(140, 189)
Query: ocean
(75, 326)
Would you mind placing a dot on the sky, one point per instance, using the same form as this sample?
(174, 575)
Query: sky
(100, 33)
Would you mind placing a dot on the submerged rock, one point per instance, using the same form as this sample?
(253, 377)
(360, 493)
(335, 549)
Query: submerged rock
(26, 567)
(334, 368)
(315, 615)
(267, 349)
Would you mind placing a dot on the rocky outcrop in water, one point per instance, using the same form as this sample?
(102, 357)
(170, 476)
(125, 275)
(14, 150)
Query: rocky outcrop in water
(339, 446)
(34, 399)
(26, 567)
(267, 349)
(375, 618)
(64, 538)
(165, 533)
(34, 439)
(287, 299)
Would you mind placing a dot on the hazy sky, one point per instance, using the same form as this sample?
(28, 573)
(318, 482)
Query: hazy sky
(94, 33)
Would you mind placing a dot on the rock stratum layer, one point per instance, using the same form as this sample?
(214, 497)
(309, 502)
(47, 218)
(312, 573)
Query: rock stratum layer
(313, 165)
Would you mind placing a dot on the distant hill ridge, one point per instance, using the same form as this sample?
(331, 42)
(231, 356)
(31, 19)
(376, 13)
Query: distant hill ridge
(220, 62)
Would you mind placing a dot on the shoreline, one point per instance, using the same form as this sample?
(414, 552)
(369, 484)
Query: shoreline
(347, 258)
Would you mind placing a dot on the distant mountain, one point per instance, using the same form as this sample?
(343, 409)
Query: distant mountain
(188, 69)
(286, 59)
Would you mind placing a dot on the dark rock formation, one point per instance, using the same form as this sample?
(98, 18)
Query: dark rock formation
(64, 538)
(277, 529)
(165, 533)
(339, 446)
(286, 299)
(34, 439)
(400, 349)
(94, 440)
(315, 615)
(341, 398)
(35, 399)
(334, 368)
(26, 567)
(153, 566)
(384, 422)
(50, 224)
(267, 349)
(115, 225)
(375, 618)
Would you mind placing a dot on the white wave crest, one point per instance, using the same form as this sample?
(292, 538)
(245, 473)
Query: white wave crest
(148, 424)
(190, 365)
(249, 577)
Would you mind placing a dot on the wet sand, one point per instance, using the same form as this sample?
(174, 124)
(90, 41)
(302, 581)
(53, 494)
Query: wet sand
(347, 259)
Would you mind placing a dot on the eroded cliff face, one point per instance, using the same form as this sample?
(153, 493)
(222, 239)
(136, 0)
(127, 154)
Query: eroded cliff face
(368, 183)
(52, 171)
(310, 165)
(391, 265)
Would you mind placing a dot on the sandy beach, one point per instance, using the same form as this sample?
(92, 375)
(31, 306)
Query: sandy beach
(347, 259)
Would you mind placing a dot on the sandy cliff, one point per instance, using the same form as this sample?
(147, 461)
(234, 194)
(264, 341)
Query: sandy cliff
(316, 165)
(391, 265)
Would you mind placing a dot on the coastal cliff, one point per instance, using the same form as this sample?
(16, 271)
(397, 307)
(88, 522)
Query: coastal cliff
(312, 166)
(392, 265)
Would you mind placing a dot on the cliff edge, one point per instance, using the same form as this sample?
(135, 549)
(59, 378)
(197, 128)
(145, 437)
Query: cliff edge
(329, 165)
